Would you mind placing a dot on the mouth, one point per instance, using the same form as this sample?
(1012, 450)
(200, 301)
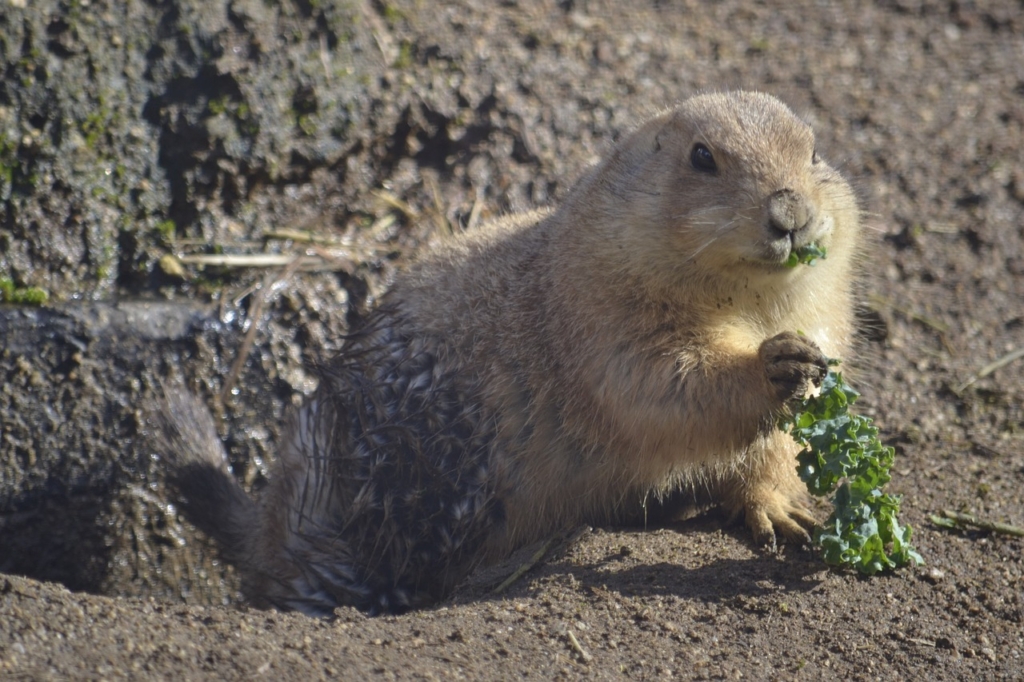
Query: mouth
(805, 245)
(808, 254)
(782, 255)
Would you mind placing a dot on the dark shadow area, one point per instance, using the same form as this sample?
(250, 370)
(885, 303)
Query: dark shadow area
(724, 580)
(82, 498)
(57, 538)
(188, 155)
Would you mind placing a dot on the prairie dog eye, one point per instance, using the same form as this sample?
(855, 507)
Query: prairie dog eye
(815, 159)
(702, 160)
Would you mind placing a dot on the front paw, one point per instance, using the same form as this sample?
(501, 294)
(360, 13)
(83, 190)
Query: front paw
(769, 513)
(792, 364)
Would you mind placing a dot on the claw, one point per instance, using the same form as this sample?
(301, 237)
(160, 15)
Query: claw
(777, 516)
(793, 364)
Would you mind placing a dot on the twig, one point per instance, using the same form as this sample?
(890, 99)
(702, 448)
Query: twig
(575, 643)
(269, 260)
(991, 367)
(242, 295)
(440, 219)
(302, 236)
(942, 228)
(986, 450)
(255, 313)
(244, 260)
(394, 202)
(519, 572)
(381, 227)
(380, 34)
(325, 59)
(922, 642)
(474, 213)
(184, 242)
(971, 520)
(940, 327)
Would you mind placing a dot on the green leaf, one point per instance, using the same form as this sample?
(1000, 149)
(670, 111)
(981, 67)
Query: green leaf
(843, 456)
(809, 254)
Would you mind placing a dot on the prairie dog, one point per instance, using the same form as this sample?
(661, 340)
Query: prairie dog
(558, 367)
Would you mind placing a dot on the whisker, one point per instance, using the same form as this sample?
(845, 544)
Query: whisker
(701, 248)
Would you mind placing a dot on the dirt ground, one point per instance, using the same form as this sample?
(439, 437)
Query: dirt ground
(379, 123)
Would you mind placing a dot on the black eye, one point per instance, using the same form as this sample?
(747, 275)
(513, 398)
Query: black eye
(701, 159)
(814, 157)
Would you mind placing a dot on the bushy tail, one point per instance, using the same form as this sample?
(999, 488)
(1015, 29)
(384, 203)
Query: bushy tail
(185, 436)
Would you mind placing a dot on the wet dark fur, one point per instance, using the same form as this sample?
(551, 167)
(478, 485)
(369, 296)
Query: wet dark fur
(399, 498)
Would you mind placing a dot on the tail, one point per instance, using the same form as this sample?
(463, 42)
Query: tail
(185, 436)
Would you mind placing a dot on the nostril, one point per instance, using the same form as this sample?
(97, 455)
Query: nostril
(779, 229)
(788, 212)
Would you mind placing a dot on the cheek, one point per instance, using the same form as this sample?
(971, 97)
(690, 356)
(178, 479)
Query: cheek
(839, 215)
(828, 226)
(748, 244)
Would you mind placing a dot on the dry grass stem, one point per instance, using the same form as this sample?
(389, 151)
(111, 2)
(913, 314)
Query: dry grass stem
(960, 519)
(990, 368)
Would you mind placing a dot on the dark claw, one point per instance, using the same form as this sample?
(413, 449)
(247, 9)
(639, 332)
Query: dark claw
(793, 363)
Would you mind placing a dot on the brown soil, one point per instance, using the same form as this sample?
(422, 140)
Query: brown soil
(920, 103)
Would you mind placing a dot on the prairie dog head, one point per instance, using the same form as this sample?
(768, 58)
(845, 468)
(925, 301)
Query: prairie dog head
(724, 185)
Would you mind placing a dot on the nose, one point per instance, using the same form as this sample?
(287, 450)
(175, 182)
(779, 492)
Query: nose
(789, 212)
